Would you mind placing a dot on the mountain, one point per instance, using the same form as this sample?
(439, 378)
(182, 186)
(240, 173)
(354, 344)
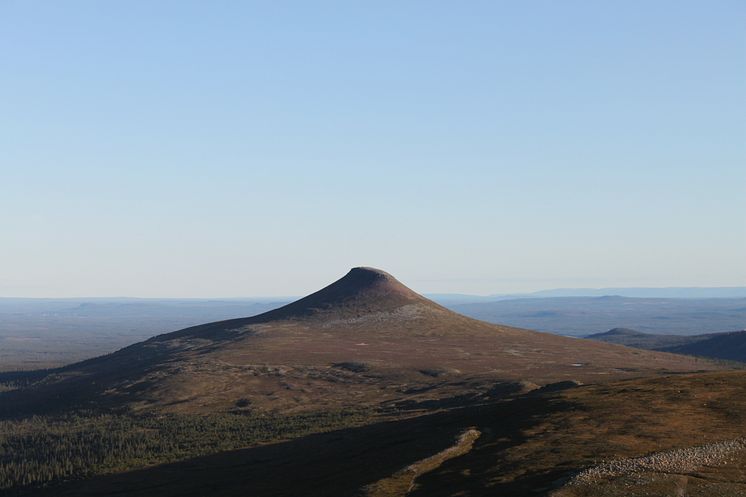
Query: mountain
(48, 333)
(357, 389)
(366, 339)
(729, 345)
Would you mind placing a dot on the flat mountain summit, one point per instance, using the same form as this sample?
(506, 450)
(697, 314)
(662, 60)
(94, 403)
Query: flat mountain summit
(366, 339)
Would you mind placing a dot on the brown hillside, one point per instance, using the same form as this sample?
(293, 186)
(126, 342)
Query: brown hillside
(365, 339)
(541, 445)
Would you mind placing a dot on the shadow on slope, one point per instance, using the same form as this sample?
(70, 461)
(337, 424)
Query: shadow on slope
(333, 464)
(528, 446)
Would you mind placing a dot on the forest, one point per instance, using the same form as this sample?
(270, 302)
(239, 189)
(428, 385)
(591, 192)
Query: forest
(41, 450)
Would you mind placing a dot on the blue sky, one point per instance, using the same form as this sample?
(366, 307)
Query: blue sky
(180, 148)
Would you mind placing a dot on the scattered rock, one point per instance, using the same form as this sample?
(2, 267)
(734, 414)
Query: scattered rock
(679, 461)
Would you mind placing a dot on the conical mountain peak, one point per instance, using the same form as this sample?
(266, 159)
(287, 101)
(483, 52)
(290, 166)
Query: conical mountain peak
(368, 321)
(362, 290)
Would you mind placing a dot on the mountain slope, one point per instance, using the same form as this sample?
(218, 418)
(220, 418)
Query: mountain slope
(637, 339)
(729, 345)
(530, 446)
(366, 339)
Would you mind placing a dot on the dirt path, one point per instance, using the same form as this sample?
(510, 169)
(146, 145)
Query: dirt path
(402, 482)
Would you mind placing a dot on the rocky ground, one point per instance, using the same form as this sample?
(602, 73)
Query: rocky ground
(678, 461)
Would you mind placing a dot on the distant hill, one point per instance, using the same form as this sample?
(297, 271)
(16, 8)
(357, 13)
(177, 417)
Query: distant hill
(633, 338)
(650, 293)
(581, 316)
(635, 292)
(728, 346)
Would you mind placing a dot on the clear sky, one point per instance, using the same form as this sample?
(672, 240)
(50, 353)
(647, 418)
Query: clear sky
(178, 148)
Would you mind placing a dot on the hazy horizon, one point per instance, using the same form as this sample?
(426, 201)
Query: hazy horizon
(187, 150)
(732, 291)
